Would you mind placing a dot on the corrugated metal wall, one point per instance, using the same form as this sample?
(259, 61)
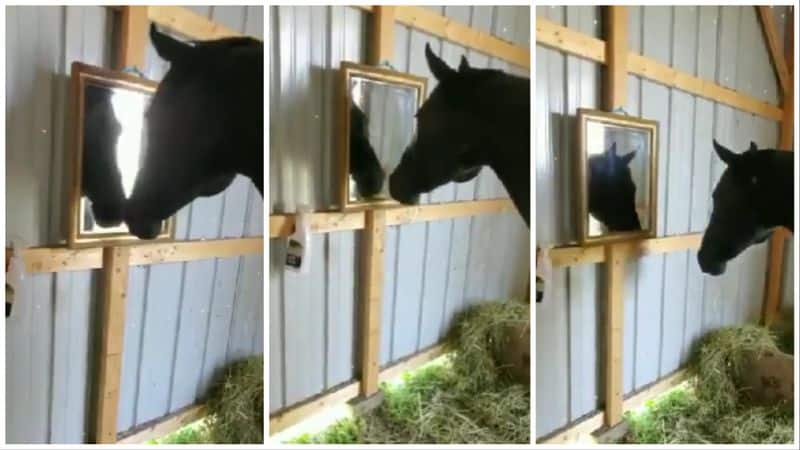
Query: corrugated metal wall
(313, 317)
(668, 301)
(183, 320)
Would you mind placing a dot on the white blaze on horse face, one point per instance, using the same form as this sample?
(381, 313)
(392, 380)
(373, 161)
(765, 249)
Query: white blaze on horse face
(129, 109)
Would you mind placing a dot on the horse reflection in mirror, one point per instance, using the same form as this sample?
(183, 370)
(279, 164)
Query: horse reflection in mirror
(205, 124)
(612, 192)
(473, 118)
(101, 180)
(365, 168)
(754, 196)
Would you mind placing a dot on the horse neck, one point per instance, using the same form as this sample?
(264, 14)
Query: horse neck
(247, 146)
(508, 145)
(780, 211)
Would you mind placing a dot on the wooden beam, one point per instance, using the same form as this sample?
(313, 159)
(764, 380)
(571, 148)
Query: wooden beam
(284, 419)
(164, 425)
(382, 39)
(775, 47)
(133, 37)
(188, 23)
(115, 285)
(411, 363)
(575, 255)
(576, 43)
(661, 73)
(772, 300)
(430, 22)
(616, 89)
(593, 422)
(282, 225)
(61, 259)
(297, 413)
(614, 328)
(555, 36)
(372, 259)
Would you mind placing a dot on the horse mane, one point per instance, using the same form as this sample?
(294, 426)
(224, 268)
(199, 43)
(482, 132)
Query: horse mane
(229, 43)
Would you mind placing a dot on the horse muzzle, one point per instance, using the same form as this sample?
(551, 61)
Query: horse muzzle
(400, 192)
(709, 266)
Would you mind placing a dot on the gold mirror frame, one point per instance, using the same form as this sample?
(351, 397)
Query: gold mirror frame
(347, 71)
(582, 209)
(81, 74)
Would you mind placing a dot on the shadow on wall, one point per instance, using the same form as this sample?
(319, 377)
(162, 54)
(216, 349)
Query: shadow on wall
(304, 148)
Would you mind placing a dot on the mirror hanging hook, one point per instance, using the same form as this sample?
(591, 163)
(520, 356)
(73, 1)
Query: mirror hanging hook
(134, 70)
(620, 110)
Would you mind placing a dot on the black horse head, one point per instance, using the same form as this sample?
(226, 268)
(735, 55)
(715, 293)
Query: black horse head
(364, 165)
(612, 193)
(101, 180)
(473, 117)
(753, 196)
(204, 125)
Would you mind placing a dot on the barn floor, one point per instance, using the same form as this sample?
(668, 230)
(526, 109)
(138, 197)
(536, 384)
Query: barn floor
(709, 407)
(460, 398)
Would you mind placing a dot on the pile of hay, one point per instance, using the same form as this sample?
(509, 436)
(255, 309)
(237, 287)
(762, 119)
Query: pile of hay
(469, 397)
(236, 404)
(711, 408)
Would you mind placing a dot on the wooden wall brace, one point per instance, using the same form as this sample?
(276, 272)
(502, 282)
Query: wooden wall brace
(112, 322)
(373, 243)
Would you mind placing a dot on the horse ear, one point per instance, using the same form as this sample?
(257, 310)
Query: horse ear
(627, 158)
(438, 67)
(727, 156)
(753, 147)
(464, 66)
(168, 48)
(612, 151)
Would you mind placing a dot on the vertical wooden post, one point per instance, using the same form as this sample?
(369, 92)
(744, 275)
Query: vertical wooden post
(112, 316)
(382, 43)
(772, 289)
(616, 89)
(616, 255)
(372, 259)
(133, 37)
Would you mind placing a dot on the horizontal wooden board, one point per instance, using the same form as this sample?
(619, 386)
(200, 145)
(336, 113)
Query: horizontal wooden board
(188, 23)
(574, 255)
(576, 43)
(59, 259)
(281, 225)
(164, 426)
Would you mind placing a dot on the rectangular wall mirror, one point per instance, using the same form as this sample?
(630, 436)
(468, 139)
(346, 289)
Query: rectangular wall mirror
(109, 139)
(617, 171)
(378, 108)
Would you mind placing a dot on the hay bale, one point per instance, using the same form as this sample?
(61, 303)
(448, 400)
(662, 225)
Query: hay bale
(473, 396)
(718, 404)
(724, 358)
(767, 379)
(236, 404)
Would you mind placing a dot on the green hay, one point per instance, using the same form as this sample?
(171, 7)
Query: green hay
(708, 410)
(465, 398)
(236, 404)
(190, 434)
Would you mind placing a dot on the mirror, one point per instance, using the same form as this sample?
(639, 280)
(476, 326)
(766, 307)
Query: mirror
(617, 169)
(109, 145)
(379, 109)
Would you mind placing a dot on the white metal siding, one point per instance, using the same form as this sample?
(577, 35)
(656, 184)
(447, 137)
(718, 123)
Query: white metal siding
(668, 301)
(183, 320)
(432, 269)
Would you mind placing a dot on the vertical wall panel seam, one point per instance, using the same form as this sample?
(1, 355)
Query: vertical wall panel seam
(179, 315)
(395, 270)
(141, 345)
(211, 299)
(442, 325)
(422, 291)
(49, 388)
(664, 258)
(236, 304)
(326, 311)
